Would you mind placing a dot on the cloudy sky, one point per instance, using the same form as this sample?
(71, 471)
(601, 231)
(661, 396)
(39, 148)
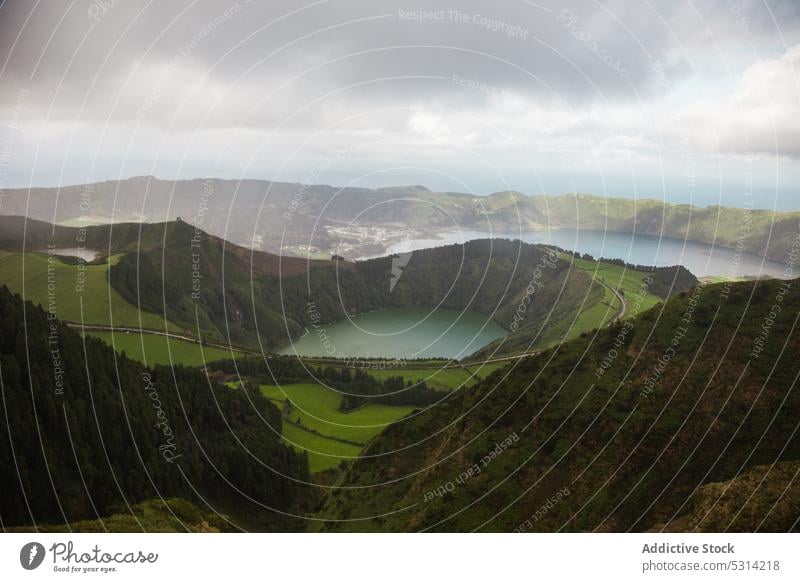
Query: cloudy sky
(686, 101)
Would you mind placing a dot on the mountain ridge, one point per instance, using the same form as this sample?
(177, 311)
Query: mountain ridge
(211, 288)
(296, 218)
(715, 412)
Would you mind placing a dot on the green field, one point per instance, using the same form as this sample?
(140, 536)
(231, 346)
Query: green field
(321, 423)
(623, 279)
(599, 313)
(317, 408)
(444, 379)
(436, 378)
(597, 316)
(323, 453)
(101, 304)
(159, 349)
(627, 281)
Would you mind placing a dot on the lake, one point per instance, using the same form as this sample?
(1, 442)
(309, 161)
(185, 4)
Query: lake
(88, 255)
(640, 249)
(400, 333)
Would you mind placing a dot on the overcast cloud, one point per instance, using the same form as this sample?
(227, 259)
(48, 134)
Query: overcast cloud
(683, 100)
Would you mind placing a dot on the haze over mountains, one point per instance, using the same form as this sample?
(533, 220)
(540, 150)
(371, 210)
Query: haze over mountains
(318, 220)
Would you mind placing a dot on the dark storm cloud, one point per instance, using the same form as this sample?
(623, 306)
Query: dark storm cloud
(131, 86)
(571, 51)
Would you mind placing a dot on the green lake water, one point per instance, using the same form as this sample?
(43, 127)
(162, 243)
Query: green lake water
(400, 333)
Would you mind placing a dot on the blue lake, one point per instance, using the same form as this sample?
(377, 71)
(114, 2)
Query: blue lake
(701, 259)
(400, 333)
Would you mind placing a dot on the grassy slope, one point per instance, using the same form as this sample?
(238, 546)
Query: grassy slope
(317, 408)
(162, 350)
(101, 303)
(565, 309)
(590, 286)
(437, 378)
(629, 458)
(489, 276)
(323, 453)
(627, 280)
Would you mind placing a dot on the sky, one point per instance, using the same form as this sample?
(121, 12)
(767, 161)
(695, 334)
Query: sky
(686, 101)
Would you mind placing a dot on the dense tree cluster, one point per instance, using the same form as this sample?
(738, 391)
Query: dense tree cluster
(359, 388)
(87, 430)
(195, 281)
(356, 385)
(726, 405)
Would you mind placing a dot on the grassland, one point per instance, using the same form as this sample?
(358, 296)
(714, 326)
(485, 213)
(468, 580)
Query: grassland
(158, 349)
(323, 453)
(630, 283)
(77, 295)
(596, 316)
(437, 378)
(315, 423)
(591, 294)
(444, 379)
(625, 280)
(317, 408)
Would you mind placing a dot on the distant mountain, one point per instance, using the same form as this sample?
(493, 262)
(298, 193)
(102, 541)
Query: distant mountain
(286, 218)
(692, 424)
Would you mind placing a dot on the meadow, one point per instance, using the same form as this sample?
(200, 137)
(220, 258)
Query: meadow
(444, 379)
(323, 453)
(153, 349)
(316, 424)
(77, 294)
(626, 280)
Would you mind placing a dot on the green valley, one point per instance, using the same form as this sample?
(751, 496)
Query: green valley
(155, 349)
(657, 431)
(316, 424)
(343, 438)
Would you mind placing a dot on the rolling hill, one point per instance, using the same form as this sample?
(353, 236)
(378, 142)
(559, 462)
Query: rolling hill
(175, 277)
(88, 431)
(627, 431)
(290, 218)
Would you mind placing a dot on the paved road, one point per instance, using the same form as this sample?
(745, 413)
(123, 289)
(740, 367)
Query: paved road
(621, 313)
(194, 340)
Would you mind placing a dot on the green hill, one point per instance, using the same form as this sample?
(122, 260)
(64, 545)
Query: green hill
(87, 430)
(237, 209)
(612, 433)
(176, 277)
(251, 298)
